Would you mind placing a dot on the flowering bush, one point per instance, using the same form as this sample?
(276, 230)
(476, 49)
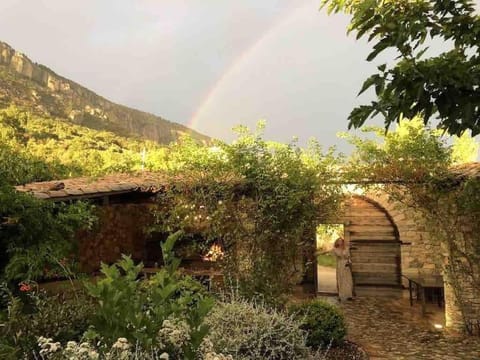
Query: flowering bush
(120, 350)
(50, 350)
(250, 331)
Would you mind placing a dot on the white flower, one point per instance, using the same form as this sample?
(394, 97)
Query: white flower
(175, 333)
(55, 347)
(93, 355)
(121, 344)
(164, 356)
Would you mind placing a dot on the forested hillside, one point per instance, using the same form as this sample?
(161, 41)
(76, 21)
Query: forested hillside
(41, 91)
(34, 148)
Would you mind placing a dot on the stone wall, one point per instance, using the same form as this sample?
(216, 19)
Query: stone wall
(425, 255)
(120, 230)
(420, 253)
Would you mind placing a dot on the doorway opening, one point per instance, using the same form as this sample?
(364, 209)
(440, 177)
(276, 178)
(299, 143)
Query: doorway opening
(326, 235)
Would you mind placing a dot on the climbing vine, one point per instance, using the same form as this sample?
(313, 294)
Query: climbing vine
(259, 201)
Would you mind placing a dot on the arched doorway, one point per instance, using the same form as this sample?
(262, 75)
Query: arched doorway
(375, 248)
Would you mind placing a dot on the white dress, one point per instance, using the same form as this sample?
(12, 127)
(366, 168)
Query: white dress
(344, 274)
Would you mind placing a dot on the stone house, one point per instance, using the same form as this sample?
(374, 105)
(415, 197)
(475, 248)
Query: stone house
(391, 243)
(388, 242)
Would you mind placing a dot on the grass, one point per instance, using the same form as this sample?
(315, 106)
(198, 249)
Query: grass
(326, 260)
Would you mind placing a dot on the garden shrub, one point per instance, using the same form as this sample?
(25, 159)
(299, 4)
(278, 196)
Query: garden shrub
(250, 331)
(137, 310)
(51, 316)
(120, 350)
(323, 322)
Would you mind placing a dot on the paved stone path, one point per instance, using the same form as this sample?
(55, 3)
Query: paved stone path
(391, 329)
(327, 279)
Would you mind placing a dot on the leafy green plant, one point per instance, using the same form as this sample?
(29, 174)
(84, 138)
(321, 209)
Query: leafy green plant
(323, 322)
(250, 331)
(136, 309)
(22, 322)
(260, 200)
(36, 236)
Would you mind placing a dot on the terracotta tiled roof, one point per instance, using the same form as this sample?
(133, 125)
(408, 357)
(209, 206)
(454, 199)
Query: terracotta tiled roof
(85, 187)
(146, 182)
(464, 171)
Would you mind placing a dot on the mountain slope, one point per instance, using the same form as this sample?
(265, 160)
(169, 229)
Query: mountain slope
(38, 89)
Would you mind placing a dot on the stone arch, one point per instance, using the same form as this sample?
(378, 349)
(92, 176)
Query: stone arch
(383, 209)
(374, 238)
(417, 253)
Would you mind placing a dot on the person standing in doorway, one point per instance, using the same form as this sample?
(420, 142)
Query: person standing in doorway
(344, 269)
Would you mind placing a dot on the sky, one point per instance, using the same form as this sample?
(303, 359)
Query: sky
(210, 65)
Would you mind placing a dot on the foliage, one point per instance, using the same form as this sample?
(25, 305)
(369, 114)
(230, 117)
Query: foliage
(464, 149)
(412, 153)
(121, 349)
(327, 233)
(420, 82)
(17, 164)
(274, 186)
(136, 310)
(67, 149)
(37, 237)
(250, 331)
(258, 200)
(41, 315)
(323, 322)
(18, 167)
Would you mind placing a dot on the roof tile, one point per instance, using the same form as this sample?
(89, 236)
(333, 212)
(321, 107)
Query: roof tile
(88, 186)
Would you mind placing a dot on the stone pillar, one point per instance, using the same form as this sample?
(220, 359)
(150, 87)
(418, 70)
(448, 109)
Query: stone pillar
(453, 315)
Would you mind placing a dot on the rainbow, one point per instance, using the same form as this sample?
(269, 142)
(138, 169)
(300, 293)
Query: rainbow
(237, 64)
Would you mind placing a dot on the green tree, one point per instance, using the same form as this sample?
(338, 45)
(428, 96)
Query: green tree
(36, 236)
(464, 149)
(411, 153)
(444, 85)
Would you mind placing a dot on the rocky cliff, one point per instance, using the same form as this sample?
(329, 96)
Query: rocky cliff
(37, 88)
